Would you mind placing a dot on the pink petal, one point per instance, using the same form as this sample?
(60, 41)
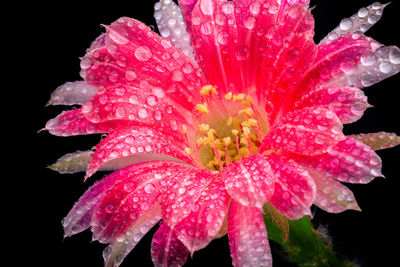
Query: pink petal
(231, 38)
(78, 219)
(332, 196)
(378, 141)
(348, 103)
(309, 131)
(73, 122)
(333, 60)
(294, 188)
(133, 55)
(205, 219)
(125, 202)
(115, 253)
(248, 238)
(166, 249)
(250, 181)
(135, 107)
(136, 141)
(186, 7)
(180, 194)
(362, 21)
(348, 161)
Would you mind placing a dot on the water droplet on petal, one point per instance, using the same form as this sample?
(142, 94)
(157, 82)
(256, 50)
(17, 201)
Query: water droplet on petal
(346, 24)
(385, 67)
(242, 53)
(143, 53)
(151, 100)
(368, 59)
(119, 35)
(149, 188)
(207, 7)
(394, 55)
(142, 113)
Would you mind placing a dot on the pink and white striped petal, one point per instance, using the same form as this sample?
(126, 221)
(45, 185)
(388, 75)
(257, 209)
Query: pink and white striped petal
(348, 103)
(250, 181)
(181, 193)
(332, 196)
(206, 219)
(166, 249)
(73, 122)
(348, 161)
(248, 238)
(362, 21)
(127, 200)
(294, 191)
(378, 141)
(118, 249)
(144, 142)
(309, 131)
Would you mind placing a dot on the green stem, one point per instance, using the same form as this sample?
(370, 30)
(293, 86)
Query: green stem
(303, 245)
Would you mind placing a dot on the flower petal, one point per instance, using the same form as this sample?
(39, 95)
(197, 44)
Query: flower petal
(332, 196)
(115, 253)
(362, 21)
(73, 122)
(140, 141)
(294, 188)
(378, 141)
(133, 55)
(72, 93)
(250, 181)
(248, 238)
(127, 200)
(180, 194)
(348, 161)
(170, 23)
(79, 218)
(166, 249)
(348, 103)
(228, 37)
(309, 131)
(206, 219)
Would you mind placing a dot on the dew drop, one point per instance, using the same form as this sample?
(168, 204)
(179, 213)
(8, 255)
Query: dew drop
(142, 113)
(363, 12)
(346, 24)
(385, 67)
(242, 53)
(130, 75)
(149, 188)
(394, 55)
(119, 35)
(177, 76)
(207, 7)
(151, 100)
(368, 59)
(109, 208)
(143, 53)
(250, 22)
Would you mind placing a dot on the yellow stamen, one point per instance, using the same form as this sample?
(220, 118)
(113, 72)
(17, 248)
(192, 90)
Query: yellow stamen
(228, 96)
(204, 127)
(184, 128)
(187, 150)
(247, 111)
(205, 90)
(227, 141)
(229, 122)
(235, 132)
(202, 108)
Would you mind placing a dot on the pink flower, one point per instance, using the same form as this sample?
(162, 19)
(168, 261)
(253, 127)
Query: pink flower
(203, 135)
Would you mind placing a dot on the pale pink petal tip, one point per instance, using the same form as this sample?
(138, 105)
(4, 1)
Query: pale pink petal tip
(248, 238)
(72, 93)
(378, 141)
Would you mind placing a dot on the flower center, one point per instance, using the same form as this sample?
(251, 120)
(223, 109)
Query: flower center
(229, 128)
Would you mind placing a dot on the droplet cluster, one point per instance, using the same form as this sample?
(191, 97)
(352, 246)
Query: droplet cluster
(72, 93)
(171, 25)
(362, 21)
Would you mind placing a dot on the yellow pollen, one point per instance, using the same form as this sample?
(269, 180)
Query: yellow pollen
(184, 128)
(202, 108)
(228, 96)
(229, 122)
(227, 141)
(204, 127)
(238, 97)
(247, 111)
(235, 132)
(187, 150)
(205, 90)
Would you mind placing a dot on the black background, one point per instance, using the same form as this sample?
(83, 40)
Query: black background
(46, 43)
